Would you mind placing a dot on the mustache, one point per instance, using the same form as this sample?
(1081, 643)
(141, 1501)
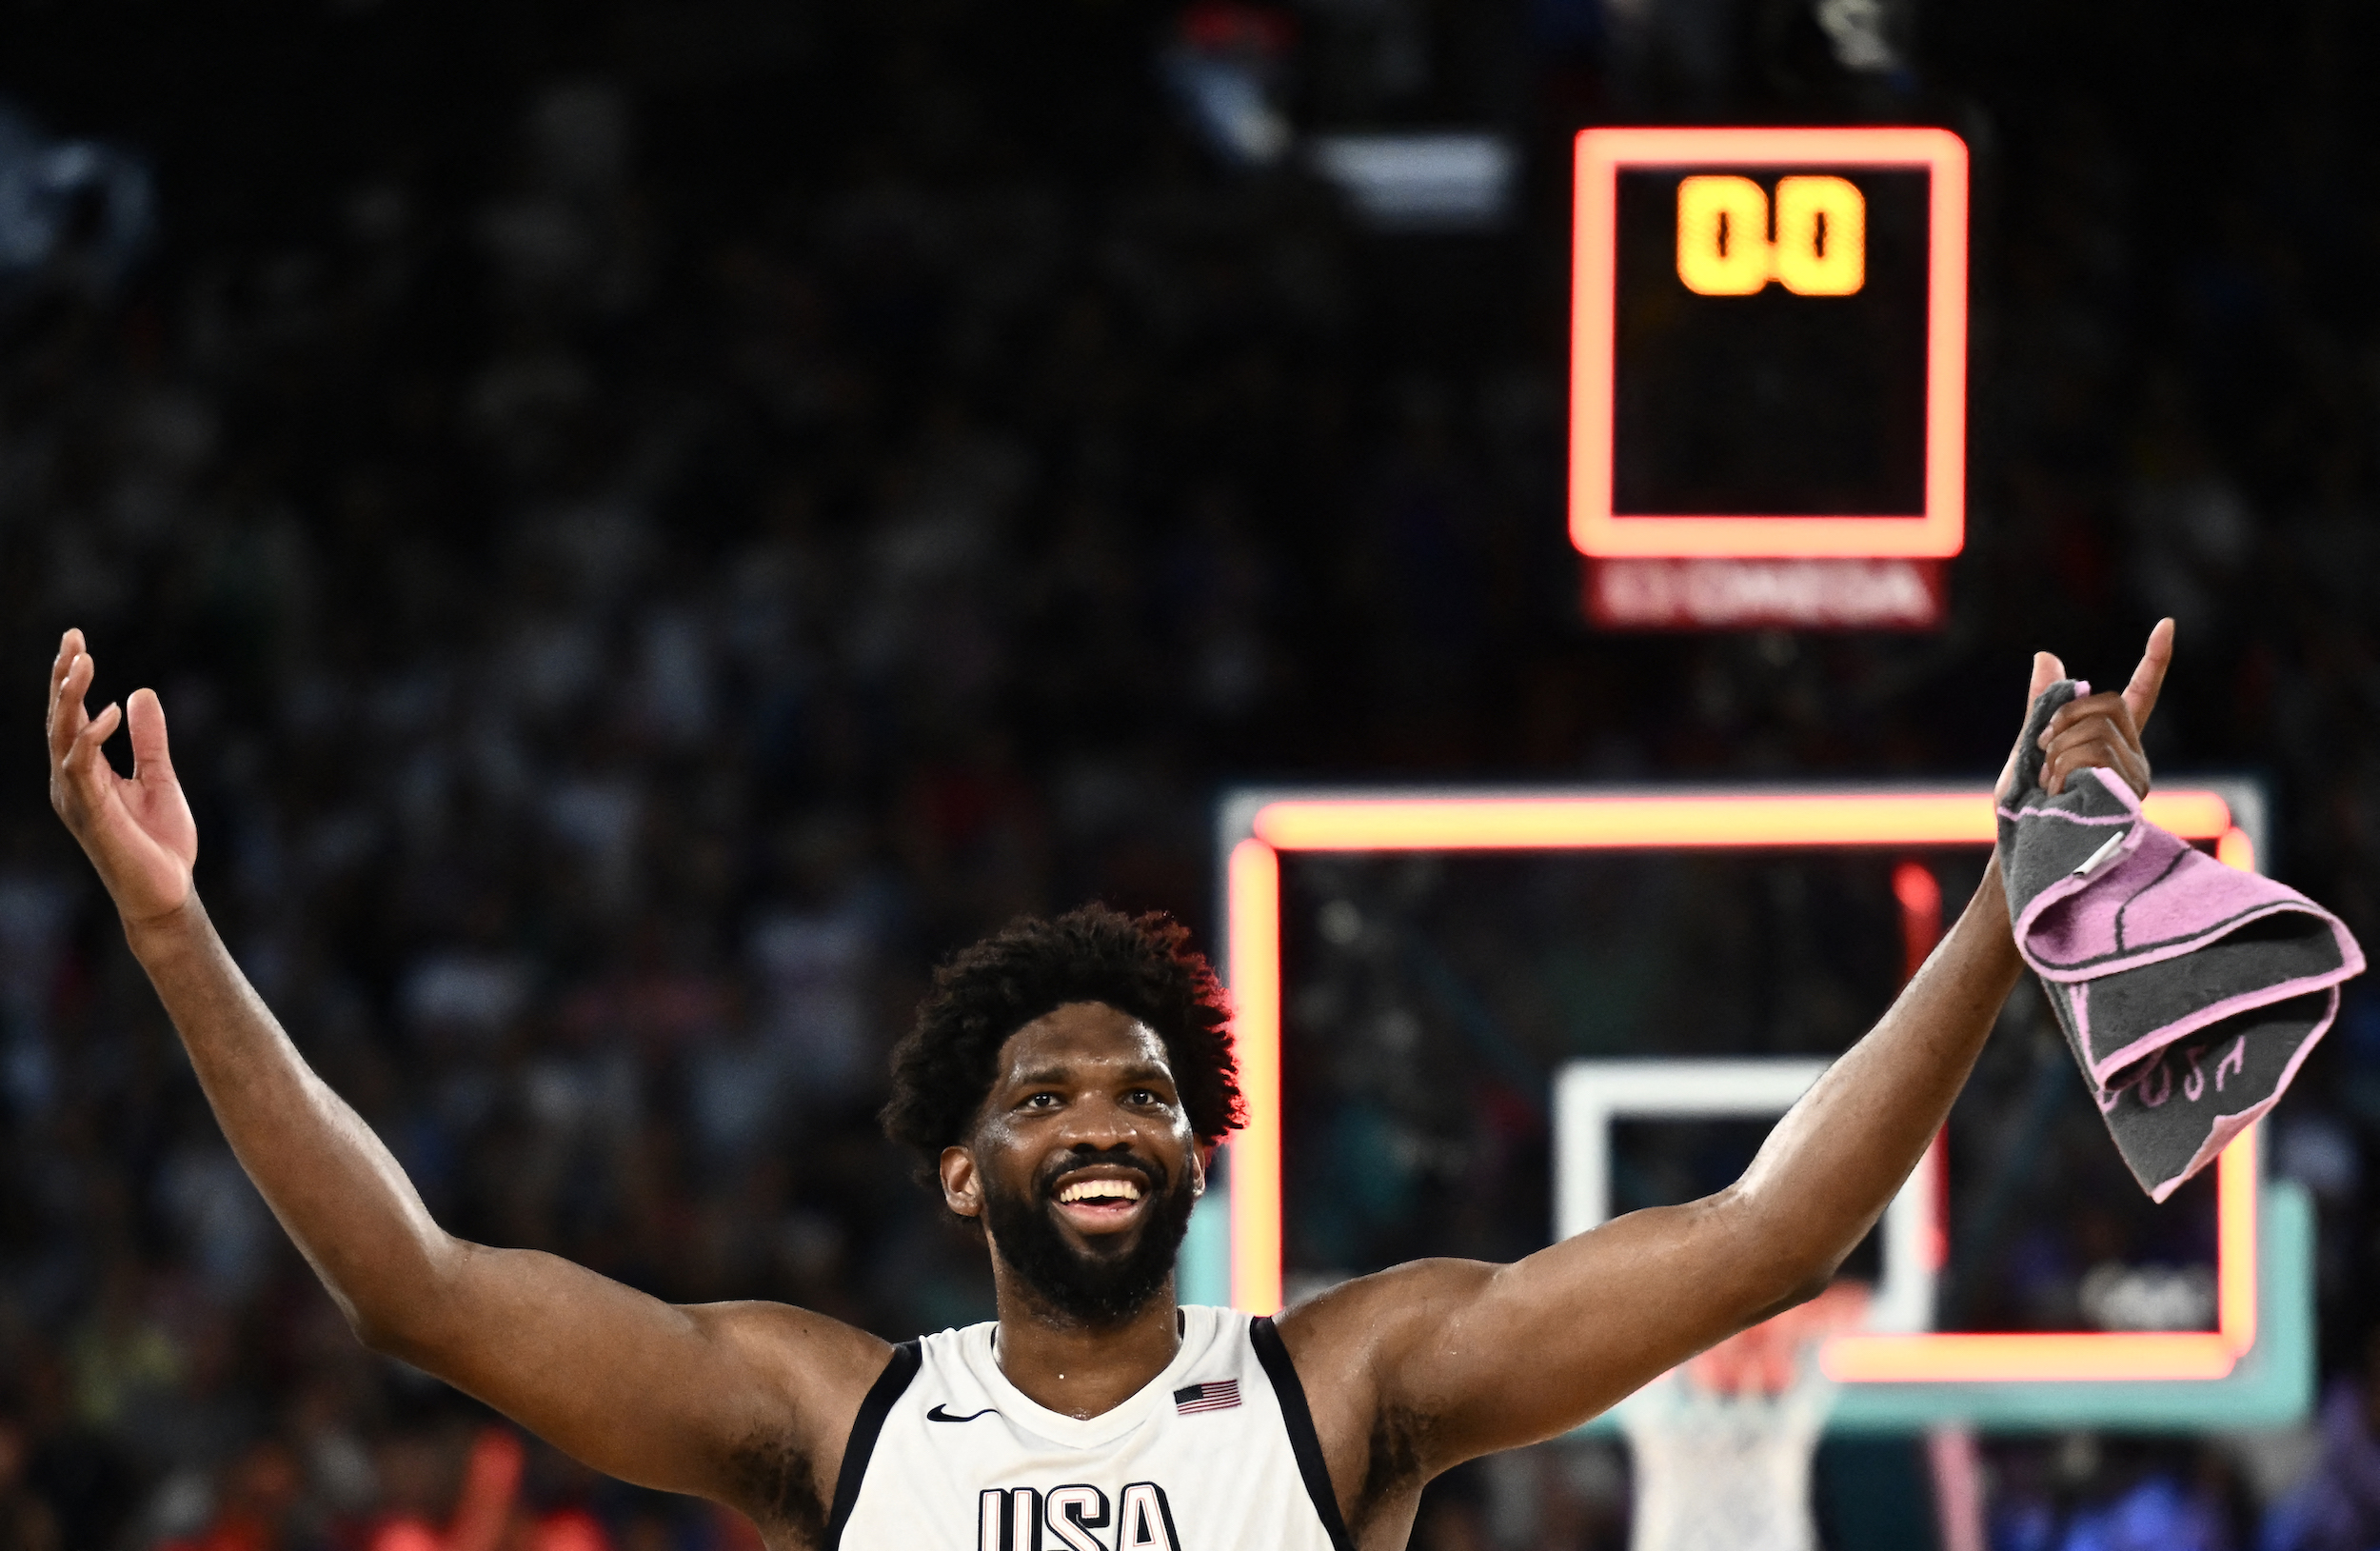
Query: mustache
(1153, 1176)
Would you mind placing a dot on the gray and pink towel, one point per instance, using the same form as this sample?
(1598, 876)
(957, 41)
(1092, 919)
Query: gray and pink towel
(2190, 991)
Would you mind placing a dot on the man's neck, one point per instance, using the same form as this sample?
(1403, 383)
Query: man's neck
(1080, 1370)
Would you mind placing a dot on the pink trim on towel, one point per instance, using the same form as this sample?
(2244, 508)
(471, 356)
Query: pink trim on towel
(2108, 780)
(2011, 815)
(2100, 968)
(2084, 945)
(2264, 996)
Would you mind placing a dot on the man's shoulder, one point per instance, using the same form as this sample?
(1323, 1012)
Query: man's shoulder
(816, 1355)
(1349, 1328)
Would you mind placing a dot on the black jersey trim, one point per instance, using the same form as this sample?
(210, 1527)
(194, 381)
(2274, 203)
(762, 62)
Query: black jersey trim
(1271, 1352)
(864, 1429)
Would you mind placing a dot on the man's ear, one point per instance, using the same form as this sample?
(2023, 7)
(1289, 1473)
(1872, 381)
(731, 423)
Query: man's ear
(1202, 1160)
(962, 1186)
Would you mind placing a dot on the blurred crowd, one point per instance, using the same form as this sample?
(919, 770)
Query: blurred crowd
(652, 528)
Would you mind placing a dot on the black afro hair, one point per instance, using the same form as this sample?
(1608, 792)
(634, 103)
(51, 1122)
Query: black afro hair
(1141, 966)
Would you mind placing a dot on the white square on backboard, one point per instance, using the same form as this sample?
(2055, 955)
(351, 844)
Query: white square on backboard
(1590, 1095)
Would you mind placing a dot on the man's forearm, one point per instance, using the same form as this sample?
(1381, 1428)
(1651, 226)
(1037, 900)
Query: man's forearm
(630, 1385)
(336, 1189)
(1835, 1162)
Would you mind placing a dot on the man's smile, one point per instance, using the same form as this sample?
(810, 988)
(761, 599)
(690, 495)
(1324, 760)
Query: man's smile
(1103, 1198)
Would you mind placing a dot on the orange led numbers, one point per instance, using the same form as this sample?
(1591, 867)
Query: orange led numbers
(1724, 246)
(1723, 237)
(1822, 242)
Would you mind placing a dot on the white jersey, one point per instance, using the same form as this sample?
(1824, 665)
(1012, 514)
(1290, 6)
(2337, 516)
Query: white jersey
(1217, 1453)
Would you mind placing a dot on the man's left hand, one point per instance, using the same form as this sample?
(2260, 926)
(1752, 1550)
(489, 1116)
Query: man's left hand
(2102, 730)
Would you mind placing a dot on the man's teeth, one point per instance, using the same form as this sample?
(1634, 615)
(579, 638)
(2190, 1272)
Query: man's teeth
(1100, 1190)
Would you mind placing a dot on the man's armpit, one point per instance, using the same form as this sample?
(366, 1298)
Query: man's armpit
(1396, 1465)
(776, 1480)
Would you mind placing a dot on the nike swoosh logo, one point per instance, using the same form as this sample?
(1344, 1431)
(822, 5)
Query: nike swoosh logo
(938, 1414)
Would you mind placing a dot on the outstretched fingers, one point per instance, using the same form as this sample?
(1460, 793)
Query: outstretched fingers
(80, 772)
(86, 761)
(147, 715)
(2047, 670)
(70, 680)
(70, 647)
(138, 832)
(2140, 696)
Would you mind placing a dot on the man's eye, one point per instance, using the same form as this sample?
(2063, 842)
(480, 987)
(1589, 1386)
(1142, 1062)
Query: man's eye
(1144, 1096)
(1039, 1101)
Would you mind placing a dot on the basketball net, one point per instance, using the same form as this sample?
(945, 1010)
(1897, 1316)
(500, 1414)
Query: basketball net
(1722, 1446)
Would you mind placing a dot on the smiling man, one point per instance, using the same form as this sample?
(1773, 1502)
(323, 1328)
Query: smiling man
(1067, 1083)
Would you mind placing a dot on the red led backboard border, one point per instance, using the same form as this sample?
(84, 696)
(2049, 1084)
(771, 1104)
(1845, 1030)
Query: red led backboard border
(1599, 531)
(1867, 818)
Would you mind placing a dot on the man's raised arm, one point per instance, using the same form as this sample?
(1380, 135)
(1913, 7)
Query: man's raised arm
(1476, 1357)
(746, 1403)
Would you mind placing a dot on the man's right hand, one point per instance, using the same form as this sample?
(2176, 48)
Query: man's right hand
(138, 832)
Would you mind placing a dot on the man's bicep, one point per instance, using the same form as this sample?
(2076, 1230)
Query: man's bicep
(1514, 1354)
(728, 1402)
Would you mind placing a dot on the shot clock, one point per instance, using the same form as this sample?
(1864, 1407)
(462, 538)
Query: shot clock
(1768, 376)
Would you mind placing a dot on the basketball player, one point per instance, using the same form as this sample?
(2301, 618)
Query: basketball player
(1068, 1082)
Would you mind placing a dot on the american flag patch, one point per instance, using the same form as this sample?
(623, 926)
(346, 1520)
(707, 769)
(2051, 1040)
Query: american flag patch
(1222, 1395)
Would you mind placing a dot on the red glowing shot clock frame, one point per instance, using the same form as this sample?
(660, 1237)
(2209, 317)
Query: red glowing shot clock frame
(1599, 531)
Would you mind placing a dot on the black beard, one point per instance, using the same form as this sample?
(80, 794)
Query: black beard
(1089, 1288)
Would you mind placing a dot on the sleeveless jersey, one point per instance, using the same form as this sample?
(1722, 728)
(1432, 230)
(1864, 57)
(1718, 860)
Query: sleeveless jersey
(1217, 1453)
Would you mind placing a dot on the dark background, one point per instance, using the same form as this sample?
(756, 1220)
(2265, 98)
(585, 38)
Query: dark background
(656, 520)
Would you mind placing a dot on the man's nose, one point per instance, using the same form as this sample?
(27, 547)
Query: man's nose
(1098, 1123)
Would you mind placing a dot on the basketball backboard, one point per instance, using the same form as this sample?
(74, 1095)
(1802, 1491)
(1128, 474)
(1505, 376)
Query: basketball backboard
(2245, 1359)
